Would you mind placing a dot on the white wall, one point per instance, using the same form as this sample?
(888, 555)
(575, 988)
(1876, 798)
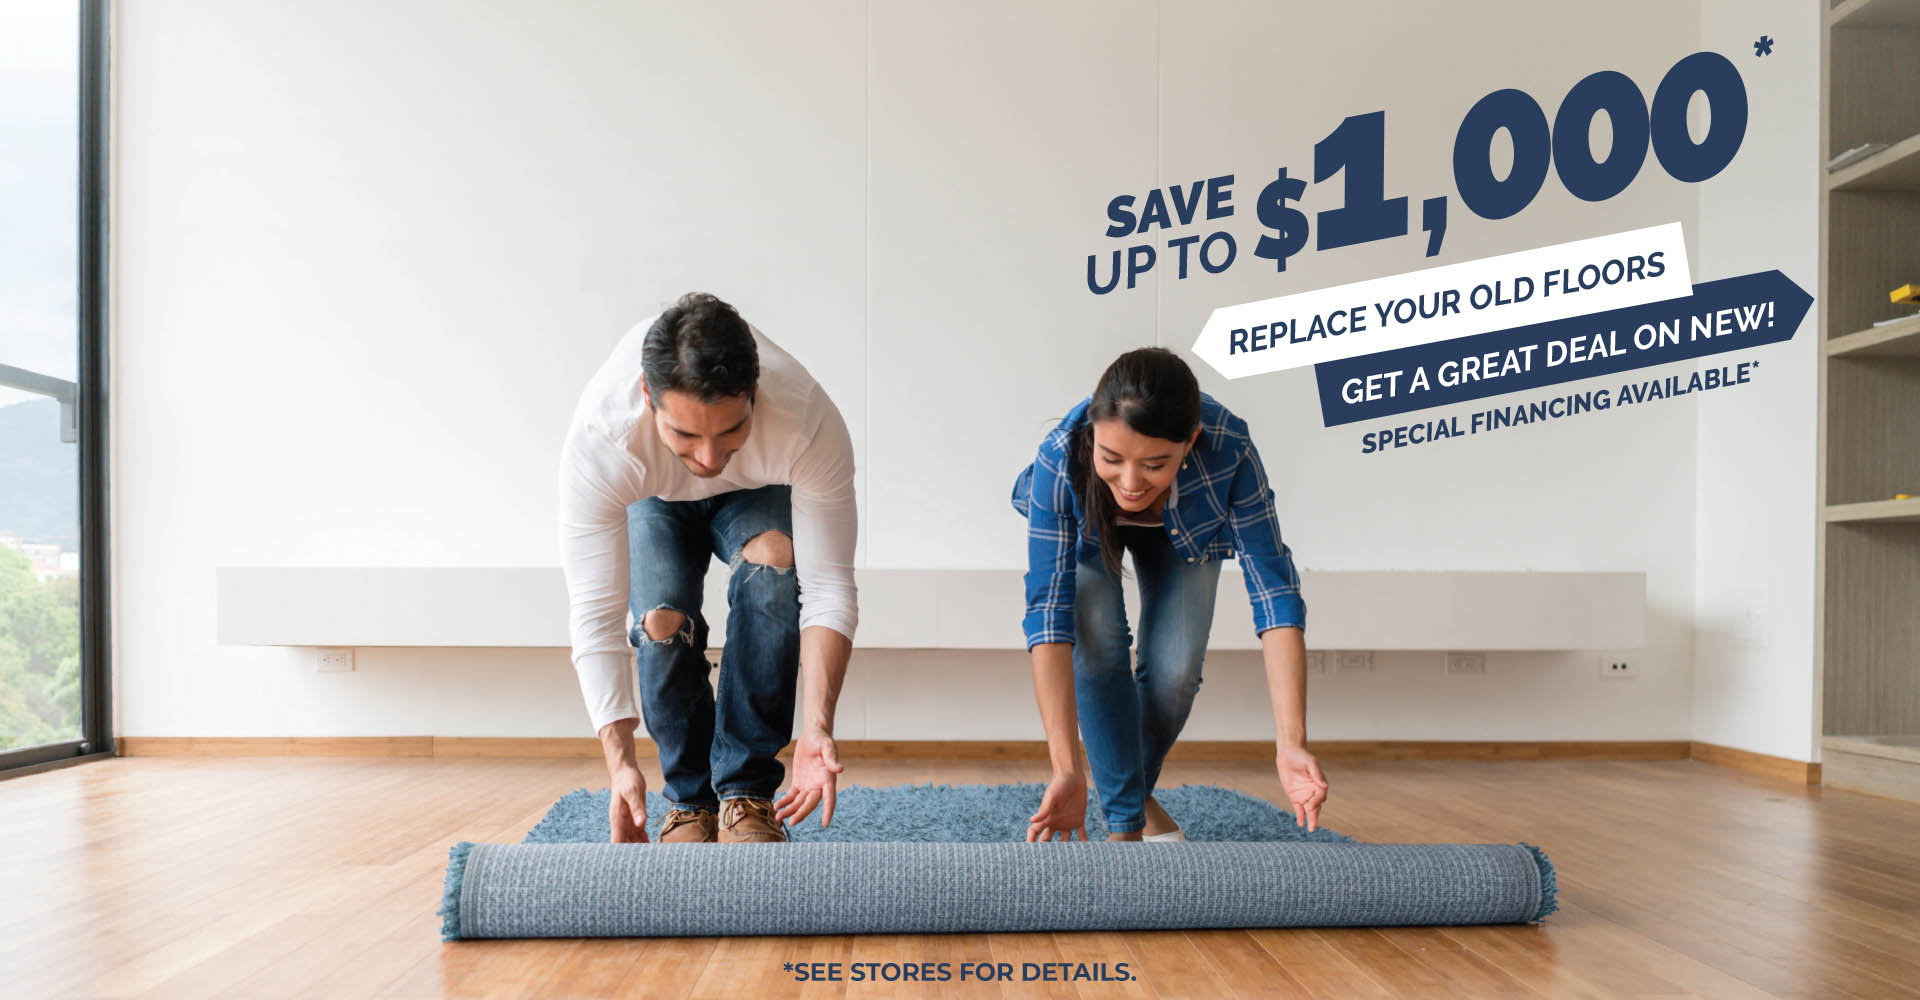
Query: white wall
(1756, 472)
(367, 253)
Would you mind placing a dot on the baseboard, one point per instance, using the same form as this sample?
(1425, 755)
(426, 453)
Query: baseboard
(363, 746)
(1799, 772)
(1787, 769)
(1191, 750)
(275, 746)
(1490, 749)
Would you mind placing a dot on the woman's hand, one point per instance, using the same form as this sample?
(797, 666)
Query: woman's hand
(1306, 786)
(1063, 809)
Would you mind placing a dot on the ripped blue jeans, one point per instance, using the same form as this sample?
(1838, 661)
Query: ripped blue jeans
(710, 744)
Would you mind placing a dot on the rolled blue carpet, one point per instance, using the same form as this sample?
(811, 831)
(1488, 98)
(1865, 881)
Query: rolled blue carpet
(590, 888)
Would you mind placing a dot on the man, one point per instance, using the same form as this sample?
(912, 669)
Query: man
(699, 438)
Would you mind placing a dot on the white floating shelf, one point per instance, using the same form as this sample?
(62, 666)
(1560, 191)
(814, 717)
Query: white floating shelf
(526, 606)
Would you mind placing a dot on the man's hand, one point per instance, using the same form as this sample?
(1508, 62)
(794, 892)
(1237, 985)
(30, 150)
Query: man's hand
(1063, 809)
(627, 806)
(815, 762)
(1306, 786)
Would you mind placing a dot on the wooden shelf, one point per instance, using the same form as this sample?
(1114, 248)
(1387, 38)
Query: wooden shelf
(1873, 510)
(1895, 168)
(1894, 340)
(1875, 14)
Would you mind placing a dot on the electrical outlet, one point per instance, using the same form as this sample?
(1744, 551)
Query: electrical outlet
(1466, 663)
(333, 661)
(1316, 661)
(1616, 666)
(1355, 660)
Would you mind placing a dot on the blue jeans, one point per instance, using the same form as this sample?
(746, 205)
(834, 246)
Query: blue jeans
(706, 743)
(1130, 715)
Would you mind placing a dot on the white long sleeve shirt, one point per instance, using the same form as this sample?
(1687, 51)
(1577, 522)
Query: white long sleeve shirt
(613, 457)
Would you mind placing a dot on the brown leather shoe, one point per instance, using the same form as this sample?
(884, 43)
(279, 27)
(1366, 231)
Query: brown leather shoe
(688, 826)
(750, 821)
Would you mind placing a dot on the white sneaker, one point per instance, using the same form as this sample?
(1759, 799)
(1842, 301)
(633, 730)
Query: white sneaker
(1165, 837)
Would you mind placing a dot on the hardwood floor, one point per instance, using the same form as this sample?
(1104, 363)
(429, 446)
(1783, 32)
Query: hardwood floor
(318, 877)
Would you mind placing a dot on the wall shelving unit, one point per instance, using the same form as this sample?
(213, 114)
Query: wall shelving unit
(1868, 549)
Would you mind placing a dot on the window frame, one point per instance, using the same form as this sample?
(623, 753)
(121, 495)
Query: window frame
(97, 738)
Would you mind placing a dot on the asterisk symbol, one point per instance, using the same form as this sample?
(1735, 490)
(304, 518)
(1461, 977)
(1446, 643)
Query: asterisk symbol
(1763, 47)
(787, 968)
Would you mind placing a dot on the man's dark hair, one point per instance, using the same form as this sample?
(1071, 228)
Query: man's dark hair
(700, 346)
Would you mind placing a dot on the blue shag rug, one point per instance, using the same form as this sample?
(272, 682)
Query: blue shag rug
(958, 814)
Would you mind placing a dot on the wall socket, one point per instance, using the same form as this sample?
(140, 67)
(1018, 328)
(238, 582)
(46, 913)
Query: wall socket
(333, 661)
(1466, 663)
(1617, 667)
(1316, 661)
(1354, 660)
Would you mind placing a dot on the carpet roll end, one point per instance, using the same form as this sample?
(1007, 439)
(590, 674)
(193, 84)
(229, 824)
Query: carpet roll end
(1549, 883)
(450, 897)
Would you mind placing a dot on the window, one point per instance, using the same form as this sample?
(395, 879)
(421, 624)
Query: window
(53, 655)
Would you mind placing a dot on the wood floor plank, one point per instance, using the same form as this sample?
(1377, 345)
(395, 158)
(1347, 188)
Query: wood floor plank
(1450, 962)
(366, 952)
(1398, 970)
(1659, 874)
(827, 951)
(1785, 968)
(1016, 952)
(671, 966)
(948, 952)
(508, 970)
(1108, 949)
(875, 954)
(1318, 965)
(1250, 971)
(744, 967)
(593, 967)
(1584, 954)
(1174, 967)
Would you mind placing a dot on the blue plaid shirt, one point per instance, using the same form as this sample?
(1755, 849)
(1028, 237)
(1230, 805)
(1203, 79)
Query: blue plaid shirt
(1219, 507)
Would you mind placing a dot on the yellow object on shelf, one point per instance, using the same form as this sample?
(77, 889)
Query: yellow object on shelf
(1906, 293)
(1903, 496)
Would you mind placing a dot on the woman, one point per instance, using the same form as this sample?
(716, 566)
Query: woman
(1151, 465)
